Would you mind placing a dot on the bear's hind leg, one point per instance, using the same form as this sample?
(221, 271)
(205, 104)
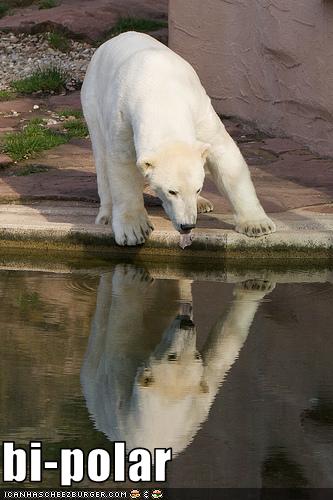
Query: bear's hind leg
(104, 192)
(204, 205)
(101, 164)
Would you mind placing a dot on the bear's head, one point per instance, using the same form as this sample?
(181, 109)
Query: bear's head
(176, 174)
(175, 368)
(170, 397)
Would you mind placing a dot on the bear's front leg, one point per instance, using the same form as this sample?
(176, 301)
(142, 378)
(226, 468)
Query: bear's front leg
(231, 175)
(130, 222)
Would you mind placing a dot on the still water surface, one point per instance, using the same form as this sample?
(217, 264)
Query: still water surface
(235, 377)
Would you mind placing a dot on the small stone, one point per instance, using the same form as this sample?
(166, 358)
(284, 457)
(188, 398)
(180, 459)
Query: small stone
(51, 121)
(35, 106)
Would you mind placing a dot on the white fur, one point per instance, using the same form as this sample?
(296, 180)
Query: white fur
(150, 118)
(133, 390)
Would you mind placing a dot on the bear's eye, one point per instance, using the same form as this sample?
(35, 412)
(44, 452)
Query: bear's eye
(198, 191)
(174, 193)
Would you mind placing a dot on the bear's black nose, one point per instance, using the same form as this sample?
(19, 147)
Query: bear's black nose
(187, 227)
(186, 323)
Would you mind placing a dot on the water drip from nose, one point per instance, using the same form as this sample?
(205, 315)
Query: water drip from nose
(185, 240)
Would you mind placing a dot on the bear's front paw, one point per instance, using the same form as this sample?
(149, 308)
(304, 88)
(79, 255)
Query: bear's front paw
(257, 285)
(256, 227)
(254, 288)
(132, 229)
(204, 205)
(127, 277)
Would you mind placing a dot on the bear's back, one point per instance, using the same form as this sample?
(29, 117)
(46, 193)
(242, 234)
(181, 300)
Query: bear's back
(131, 56)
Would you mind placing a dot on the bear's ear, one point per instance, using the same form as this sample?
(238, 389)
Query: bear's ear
(203, 148)
(145, 166)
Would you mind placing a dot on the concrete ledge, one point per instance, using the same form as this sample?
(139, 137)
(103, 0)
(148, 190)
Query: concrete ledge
(216, 244)
(302, 236)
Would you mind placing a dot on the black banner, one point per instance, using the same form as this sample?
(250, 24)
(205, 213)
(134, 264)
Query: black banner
(172, 493)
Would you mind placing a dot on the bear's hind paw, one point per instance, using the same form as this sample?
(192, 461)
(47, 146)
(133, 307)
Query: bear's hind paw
(204, 205)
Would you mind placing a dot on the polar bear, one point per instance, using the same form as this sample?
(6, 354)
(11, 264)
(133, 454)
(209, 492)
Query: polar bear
(151, 120)
(143, 377)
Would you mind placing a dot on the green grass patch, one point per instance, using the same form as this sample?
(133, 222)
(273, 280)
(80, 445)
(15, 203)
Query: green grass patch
(134, 24)
(50, 78)
(77, 113)
(47, 4)
(59, 41)
(31, 140)
(36, 137)
(31, 169)
(76, 128)
(12, 4)
(4, 8)
(7, 95)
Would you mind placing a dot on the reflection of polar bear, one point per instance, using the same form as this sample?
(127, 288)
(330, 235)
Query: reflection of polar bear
(150, 118)
(151, 391)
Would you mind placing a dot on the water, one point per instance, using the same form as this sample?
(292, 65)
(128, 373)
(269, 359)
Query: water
(235, 376)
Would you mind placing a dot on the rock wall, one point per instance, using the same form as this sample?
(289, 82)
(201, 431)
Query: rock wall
(267, 61)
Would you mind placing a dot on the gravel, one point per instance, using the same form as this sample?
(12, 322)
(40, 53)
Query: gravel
(21, 54)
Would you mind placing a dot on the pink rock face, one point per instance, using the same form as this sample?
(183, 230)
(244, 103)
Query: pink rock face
(268, 62)
(84, 18)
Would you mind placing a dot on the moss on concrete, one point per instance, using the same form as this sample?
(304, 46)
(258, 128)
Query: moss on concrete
(164, 248)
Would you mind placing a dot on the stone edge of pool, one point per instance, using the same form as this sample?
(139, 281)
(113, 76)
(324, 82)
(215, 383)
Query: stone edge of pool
(212, 243)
